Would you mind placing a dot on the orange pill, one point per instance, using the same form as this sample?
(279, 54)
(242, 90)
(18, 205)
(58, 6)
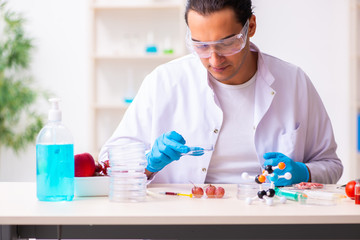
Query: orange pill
(281, 165)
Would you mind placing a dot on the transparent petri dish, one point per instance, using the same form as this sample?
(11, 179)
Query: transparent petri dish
(128, 181)
(127, 187)
(126, 144)
(136, 184)
(121, 180)
(118, 156)
(125, 199)
(245, 190)
(128, 163)
(126, 151)
(127, 196)
(124, 189)
(200, 149)
(318, 197)
(129, 192)
(128, 169)
(127, 174)
(135, 170)
(124, 162)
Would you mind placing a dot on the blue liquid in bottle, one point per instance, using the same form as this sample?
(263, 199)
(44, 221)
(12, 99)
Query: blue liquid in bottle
(55, 172)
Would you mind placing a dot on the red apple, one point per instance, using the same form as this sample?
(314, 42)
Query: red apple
(84, 165)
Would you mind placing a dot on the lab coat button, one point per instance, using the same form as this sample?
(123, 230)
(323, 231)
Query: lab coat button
(204, 169)
(216, 130)
(272, 93)
(254, 127)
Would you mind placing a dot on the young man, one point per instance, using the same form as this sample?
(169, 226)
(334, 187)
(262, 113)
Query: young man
(254, 109)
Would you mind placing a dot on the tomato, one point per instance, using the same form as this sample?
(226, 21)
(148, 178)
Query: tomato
(349, 189)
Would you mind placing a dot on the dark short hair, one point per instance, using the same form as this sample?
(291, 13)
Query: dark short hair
(242, 8)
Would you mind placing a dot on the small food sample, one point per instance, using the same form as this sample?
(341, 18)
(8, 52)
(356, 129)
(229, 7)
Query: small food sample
(197, 192)
(219, 192)
(211, 191)
(309, 185)
(102, 169)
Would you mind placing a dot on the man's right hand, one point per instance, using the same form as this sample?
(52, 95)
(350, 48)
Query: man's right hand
(167, 148)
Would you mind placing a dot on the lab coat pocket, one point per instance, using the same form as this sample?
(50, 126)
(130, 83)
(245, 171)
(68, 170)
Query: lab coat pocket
(288, 143)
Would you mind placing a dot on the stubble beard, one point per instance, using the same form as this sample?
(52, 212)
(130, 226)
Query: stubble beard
(236, 71)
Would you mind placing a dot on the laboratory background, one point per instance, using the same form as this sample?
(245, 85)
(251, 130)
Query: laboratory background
(93, 54)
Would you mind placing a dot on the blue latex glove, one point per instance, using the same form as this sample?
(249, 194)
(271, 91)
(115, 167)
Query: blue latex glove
(298, 170)
(167, 148)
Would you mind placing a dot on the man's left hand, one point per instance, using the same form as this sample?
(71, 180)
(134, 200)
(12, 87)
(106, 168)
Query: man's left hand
(298, 170)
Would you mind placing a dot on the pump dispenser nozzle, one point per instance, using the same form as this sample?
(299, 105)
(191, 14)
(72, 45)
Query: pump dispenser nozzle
(54, 112)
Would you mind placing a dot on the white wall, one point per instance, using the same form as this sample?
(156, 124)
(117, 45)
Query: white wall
(312, 34)
(60, 64)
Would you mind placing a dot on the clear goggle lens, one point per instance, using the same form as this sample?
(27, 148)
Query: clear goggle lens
(223, 47)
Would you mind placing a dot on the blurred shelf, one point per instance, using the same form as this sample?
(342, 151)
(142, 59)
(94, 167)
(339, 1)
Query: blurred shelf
(165, 57)
(135, 5)
(113, 66)
(115, 106)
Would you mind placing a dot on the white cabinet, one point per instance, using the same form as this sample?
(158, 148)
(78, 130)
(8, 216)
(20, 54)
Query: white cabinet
(129, 39)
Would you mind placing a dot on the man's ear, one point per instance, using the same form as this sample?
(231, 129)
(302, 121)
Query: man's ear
(252, 26)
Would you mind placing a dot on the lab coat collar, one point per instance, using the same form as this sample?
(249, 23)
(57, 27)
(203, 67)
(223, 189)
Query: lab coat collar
(264, 93)
(262, 71)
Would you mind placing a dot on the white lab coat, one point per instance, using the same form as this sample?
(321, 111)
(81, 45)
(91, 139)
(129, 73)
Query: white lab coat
(289, 117)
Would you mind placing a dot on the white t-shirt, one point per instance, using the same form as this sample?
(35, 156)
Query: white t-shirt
(234, 151)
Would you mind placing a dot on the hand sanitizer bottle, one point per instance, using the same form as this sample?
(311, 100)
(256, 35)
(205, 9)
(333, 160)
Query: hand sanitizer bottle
(55, 168)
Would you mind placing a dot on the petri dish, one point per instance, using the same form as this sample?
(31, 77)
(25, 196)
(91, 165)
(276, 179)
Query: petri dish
(245, 190)
(199, 150)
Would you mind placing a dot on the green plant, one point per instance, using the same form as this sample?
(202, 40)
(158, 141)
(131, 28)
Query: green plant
(19, 122)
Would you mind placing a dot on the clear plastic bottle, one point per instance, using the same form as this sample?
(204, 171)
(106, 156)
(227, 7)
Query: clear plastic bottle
(55, 168)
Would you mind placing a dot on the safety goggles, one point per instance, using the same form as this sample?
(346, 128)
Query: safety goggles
(224, 47)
